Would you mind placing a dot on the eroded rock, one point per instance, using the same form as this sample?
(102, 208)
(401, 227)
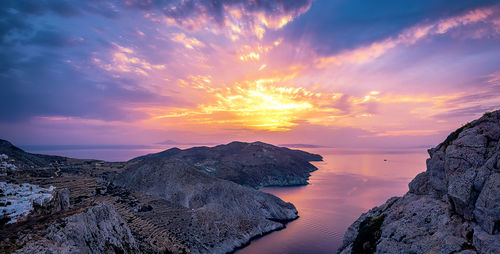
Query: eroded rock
(453, 207)
(100, 229)
(218, 210)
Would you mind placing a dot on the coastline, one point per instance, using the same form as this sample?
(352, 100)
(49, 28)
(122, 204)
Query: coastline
(263, 234)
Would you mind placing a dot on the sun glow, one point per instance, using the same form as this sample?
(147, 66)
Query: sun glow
(256, 105)
(261, 106)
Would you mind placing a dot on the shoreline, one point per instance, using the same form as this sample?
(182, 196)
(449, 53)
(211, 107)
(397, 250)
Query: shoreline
(263, 234)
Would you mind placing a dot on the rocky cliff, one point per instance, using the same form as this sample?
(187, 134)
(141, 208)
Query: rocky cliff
(452, 207)
(99, 229)
(154, 204)
(221, 215)
(252, 164)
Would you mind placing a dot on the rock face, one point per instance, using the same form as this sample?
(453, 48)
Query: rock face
(220, 212)
(153, 204)
(99, 229)
(452, 207)
(252, 164)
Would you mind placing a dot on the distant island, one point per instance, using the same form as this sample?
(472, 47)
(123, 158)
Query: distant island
(452, 207)
(198, 200)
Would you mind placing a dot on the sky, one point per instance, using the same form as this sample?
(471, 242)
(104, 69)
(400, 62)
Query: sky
(333, 73)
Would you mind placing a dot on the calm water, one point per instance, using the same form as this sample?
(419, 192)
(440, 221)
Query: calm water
(348, 183)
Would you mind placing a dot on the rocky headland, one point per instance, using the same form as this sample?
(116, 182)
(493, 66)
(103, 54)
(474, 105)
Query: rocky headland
(152, 204)
(254, 164)
(452, 207)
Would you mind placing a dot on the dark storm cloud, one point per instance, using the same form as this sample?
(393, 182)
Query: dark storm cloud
(331, 26)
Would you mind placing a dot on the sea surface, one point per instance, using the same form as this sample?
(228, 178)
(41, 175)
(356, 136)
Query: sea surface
(347, 183)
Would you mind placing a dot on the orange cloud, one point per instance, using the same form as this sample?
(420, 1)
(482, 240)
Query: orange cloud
(248, 52)
(124, 59)
(188, 42)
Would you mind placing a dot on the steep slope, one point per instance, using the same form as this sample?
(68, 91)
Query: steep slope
(221, 215)
(452, 207)
(24, 159)
(99, 229)
(151, 205)
(252, 164)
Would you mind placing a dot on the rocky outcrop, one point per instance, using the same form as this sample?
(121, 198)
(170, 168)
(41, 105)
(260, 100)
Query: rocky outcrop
(221, 215)
(452, 207)
(252, 164)
(99, 229)
(154, 204)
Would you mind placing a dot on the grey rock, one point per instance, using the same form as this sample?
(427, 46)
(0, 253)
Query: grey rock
(62, 200)
(453, 207)
(461, 194)
(97, 230)
(486, 243)
(420, 184)
(173, 202)
(213, 201)
(487, 212)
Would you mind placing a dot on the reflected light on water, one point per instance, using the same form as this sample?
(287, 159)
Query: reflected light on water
(348, 183)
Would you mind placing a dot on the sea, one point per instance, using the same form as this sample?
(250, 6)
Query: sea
(348, 182)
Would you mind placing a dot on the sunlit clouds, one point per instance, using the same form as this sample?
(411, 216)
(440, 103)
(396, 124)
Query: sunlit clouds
(411, 36)
(205, 71)
(124, 59)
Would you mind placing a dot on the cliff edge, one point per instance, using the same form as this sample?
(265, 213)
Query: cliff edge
(452, 207)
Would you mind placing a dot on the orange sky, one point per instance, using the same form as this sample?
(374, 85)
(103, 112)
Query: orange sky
(254, 74)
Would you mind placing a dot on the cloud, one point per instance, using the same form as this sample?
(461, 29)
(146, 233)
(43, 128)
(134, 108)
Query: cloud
(409, 36)
(468, 111)
(41, 7)
(330, 27)
(188, 42)
(301, 145)
(238, 15)
(175, 143)
(47, 85)
(17, 14)
(52, 38)
(126, 60)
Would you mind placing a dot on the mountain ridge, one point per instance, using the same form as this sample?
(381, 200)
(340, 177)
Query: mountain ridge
(255, 164)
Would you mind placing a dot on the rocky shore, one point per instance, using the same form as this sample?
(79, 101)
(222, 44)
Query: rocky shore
(452, 207)
(152, 204)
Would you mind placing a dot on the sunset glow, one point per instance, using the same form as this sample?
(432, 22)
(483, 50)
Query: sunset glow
(281, 72)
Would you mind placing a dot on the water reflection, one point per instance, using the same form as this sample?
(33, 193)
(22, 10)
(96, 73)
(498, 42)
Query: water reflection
(348, 183)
